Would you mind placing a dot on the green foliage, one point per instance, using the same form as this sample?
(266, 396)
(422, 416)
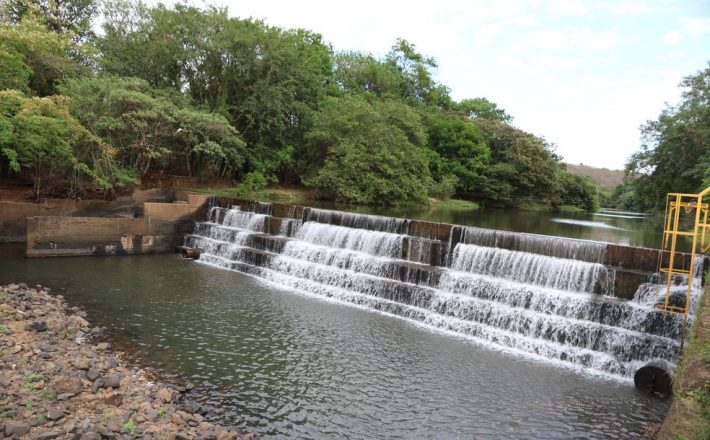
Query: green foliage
(252, 182)
(417, 84)
(146, 126)
(266, 80)
(357, 73)
(458, 150)
(192, 91)
(372, 152)
(130, 427)
(578, 191)
(482, 108)
(675, 149)
(14, 73)
(444, 188)
(39, 136)
(37, 58)
(523, 166)
(66, 16)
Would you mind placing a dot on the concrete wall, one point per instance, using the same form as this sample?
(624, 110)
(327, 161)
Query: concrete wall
(429, 241)
(13, 215)
(161, 230)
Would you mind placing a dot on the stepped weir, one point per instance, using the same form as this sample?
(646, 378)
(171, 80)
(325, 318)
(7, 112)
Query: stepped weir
(581, 304)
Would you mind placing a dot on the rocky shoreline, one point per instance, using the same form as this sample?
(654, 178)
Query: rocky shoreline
(58, 381)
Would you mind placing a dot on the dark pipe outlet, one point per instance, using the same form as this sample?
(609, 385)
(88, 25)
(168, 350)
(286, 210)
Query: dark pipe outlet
(189, 253)
(654, 378)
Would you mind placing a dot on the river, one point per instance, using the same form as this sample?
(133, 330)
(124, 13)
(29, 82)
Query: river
(289, 365)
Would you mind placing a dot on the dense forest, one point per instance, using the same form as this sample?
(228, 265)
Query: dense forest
(675, 151)
(97, 96)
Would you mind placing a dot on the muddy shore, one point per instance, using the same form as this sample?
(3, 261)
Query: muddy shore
(58, 380)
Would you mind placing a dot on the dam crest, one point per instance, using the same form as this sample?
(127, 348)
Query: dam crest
(581, 304)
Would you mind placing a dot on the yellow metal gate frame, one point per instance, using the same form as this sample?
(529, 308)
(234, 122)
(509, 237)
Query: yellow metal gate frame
(676, 204)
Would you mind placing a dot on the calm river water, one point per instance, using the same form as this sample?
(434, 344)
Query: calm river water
(291, 366)
(612, 226)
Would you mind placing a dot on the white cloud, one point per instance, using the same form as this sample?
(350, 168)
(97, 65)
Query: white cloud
(625, 8)
(573, 37)
(567, 7)
(672, 37)
(696, 26)
(689, 27)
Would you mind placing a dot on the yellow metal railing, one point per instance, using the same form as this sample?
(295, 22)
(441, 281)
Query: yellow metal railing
(688, 208)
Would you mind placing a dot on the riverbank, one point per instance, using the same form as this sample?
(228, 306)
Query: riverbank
(689, 416)
(58, 381)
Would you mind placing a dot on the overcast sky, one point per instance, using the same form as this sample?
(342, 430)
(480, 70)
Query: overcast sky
(583, 74)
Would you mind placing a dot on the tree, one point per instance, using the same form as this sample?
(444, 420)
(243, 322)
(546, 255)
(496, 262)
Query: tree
(72, 17)
(266, 80)
(39, 136)
(357, 73)
(576, 190)
(524, 167)
(35, 58)
(371, 152)
(482, 108)
(459, 150)
(417, 84)
(148, 127)
(675, 148)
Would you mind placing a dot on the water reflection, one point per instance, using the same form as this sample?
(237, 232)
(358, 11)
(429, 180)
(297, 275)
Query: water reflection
(621, 227)
(290, 366)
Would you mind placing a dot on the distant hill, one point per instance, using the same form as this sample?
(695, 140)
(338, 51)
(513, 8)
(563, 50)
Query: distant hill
(604, 177)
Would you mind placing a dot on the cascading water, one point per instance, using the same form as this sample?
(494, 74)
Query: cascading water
(545, 297)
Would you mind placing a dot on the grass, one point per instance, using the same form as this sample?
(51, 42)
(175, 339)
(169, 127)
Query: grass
(454, 204)
(130, 427)
(304, 197)
(689, 416)
(278, 195)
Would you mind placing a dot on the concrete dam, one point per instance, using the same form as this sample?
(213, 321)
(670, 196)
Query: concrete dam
(581, 304)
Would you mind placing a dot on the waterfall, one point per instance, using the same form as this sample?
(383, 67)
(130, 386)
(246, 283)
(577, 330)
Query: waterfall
(370, 242)
(359, 221)
(561, 247)
(557, 273)
(547, 298)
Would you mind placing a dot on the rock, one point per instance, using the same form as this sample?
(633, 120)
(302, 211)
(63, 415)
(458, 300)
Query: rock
(55, 414)
(112, 362)
(90, 436)
(182, 436)
(165, 395)
(192, 407)
(15, 428)
(111, 381)
(81, 363)
(65, 396)
(16, 349)
(38, 326)
(93, 374)
(98, 383)
(5, 381)
(103, 346)
(47, 289)
(152, 415)
(48, 435)
(114, 399)
(78, 321)
(22, 286)
(65, 384)
(226, 435)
